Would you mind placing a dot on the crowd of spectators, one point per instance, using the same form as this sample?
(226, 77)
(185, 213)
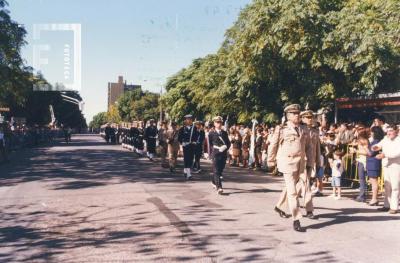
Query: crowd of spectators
(349, 146)
(14, 137)
(356, 154)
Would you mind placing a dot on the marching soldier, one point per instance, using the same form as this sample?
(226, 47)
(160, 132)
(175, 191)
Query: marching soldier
(150, 135)
(219, 143)
(187, 137)
(198, 151)
(124, 135)
(173, 146)
(139, 138)
(118, 134)
(113, 134)
(313, 164)
(162, 139)
(107, 132)
(289, 150)
(133, 136)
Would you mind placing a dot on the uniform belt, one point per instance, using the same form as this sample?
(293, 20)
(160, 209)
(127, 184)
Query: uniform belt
(294, 155)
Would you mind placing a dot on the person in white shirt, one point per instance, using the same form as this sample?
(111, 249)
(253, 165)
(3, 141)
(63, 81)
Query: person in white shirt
(390, 147)
(337, 170)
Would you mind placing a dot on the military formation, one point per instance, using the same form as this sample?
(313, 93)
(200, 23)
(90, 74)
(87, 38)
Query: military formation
(168, 141)
(294, 150)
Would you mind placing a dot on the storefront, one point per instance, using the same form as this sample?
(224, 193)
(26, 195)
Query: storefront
(364, 109)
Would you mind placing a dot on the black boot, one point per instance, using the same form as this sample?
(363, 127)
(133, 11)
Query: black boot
(311, 215)
(297, 227)
(280, 212)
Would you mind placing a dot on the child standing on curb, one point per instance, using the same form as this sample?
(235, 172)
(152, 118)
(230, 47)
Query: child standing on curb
(337, 170)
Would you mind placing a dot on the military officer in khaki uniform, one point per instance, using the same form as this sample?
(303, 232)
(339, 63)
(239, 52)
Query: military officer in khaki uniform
(289, 150)
(313, 164)
(162, 141)
(173, 145)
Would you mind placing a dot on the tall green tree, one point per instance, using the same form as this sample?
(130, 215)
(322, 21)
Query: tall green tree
(15, 77)
(286, 51)
(124, 103)
(17, 82)
(98, 120)
(146, 108)
(113, 115)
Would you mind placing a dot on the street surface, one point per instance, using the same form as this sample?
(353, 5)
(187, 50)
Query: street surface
(91, 202)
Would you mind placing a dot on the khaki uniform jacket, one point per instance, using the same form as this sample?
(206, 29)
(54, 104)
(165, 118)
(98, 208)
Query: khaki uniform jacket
(172, 138)
(162, 136)
(289, 150)
(315, 145)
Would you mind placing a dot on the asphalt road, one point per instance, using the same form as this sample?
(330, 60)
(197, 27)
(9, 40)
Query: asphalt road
(92, 202)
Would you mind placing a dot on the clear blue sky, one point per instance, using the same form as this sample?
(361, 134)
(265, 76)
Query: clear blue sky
(144, 40)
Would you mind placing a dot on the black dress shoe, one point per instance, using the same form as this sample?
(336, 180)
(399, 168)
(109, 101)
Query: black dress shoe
(383, 209)
(311, 215)
(297, 227)
(280, 212)
(374, 203)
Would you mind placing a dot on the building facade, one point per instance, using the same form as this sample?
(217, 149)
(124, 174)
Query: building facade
(115, 90)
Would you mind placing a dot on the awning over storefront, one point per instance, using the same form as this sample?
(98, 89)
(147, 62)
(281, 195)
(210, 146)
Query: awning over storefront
(366, 108)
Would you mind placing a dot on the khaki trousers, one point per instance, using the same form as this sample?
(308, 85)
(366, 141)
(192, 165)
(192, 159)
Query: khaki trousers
(289, 196)
(392, 186)
(172, 155)
(304, 188)
(163, 153)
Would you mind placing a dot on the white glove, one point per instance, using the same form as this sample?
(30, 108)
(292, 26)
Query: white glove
(184, 144)
(222, 148)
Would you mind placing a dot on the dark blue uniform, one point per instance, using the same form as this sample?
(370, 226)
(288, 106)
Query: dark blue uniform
(218, 139)
(133, 133)
(150, 135)
(198, 150)
(187, 137)
(107, 132)
(139, 140)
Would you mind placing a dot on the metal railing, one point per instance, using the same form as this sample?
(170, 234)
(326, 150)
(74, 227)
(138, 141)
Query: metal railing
(351, 169)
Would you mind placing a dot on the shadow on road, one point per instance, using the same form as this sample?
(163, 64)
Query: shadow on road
(82, 164)
(44, 235)
(97, 166)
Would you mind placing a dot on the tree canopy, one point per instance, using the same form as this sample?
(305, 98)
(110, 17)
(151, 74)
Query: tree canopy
(288, 51)
(132, 105)
(17, 82)
(98, 120)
